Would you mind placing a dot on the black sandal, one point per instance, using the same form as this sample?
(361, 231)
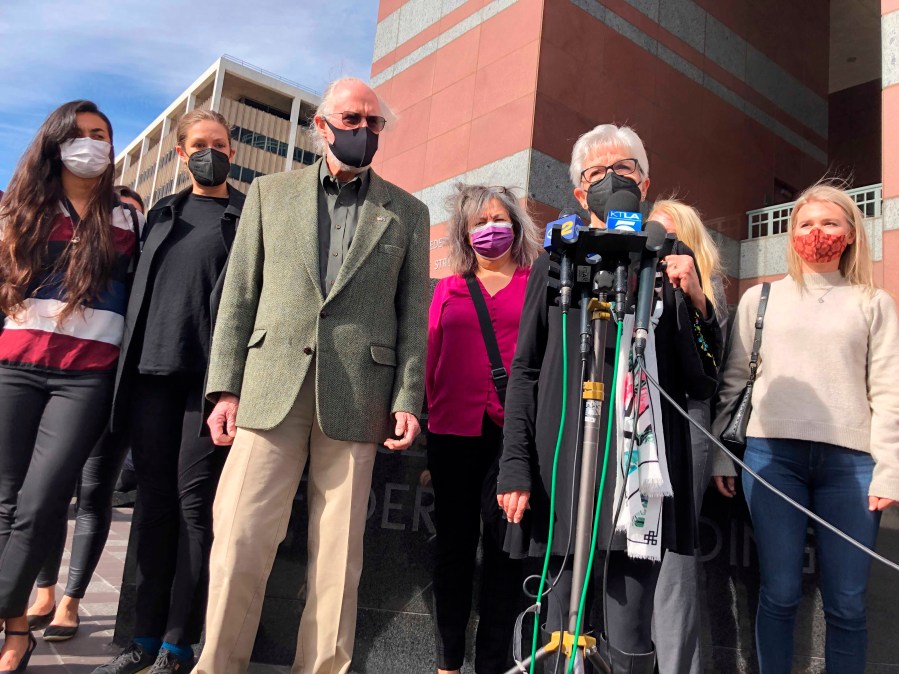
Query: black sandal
(32, 644)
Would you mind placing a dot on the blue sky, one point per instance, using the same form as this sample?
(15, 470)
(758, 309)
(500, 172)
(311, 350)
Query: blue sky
(134, 57)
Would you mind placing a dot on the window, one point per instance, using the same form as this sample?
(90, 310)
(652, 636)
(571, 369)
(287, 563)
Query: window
(249, 102)
(273, 145)
(244, 174)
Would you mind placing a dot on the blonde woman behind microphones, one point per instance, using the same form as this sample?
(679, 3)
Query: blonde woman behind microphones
(676, 619)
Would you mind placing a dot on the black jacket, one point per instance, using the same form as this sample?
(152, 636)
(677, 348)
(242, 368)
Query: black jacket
(533, 410)
(160, 222)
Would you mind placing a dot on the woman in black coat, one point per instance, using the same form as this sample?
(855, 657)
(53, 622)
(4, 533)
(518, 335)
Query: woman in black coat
(159, 399)
(687, 340)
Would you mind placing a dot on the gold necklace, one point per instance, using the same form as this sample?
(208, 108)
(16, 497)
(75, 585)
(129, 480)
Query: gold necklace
(76, 223)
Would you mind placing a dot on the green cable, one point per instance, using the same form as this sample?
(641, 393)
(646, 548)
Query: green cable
(602, 484)
(552, 493)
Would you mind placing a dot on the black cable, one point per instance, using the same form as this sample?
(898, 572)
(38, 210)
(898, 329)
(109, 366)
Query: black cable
(827, 525)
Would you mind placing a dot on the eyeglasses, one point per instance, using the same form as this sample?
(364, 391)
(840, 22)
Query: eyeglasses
(623, 167)
(353, 120)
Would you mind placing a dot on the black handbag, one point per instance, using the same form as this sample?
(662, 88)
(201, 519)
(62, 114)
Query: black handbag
(734, 435)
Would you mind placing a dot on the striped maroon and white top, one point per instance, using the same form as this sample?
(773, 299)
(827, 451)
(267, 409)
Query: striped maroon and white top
(87, 341)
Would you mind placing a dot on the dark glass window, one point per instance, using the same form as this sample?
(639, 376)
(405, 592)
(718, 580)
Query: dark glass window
(249, 102)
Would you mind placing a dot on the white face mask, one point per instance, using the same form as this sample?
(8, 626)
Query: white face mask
(85, 157)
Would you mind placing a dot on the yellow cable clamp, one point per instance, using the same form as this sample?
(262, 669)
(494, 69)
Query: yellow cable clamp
(566, 640)
(594, 390)
(601, 311)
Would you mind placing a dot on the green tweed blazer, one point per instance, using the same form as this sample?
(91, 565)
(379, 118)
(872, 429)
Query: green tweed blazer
(367, 338)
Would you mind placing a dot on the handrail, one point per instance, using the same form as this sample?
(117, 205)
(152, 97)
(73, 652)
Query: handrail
(268, 73)
(775, 219)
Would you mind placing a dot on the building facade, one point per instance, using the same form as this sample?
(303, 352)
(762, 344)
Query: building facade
(269, 116)
(740, 104)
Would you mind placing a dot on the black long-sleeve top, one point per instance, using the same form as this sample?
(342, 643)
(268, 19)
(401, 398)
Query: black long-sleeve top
(688, 351)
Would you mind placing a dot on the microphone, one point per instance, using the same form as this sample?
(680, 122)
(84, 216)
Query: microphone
(563, 230)
(560, 234)
(623, 212)
(620, 290)
(655, 238)
(621, 202)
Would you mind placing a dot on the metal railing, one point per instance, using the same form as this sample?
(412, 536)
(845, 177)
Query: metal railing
(268, 73)
(776, 219)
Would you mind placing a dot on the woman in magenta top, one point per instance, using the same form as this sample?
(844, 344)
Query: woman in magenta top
(493, 242)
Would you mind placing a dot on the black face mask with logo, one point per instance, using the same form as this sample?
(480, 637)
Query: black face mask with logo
(599, 192)
(209, 167)
(353, 147)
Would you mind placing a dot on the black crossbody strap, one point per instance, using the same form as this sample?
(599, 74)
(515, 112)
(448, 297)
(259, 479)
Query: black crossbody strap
(135, 227)
(500, 376)
(759, 324)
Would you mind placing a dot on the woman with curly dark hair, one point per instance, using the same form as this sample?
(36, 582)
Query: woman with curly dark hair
(66, 244)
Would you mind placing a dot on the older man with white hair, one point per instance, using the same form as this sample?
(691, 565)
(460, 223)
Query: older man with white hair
(318, 355)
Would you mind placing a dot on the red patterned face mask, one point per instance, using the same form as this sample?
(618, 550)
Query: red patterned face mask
(816, 246)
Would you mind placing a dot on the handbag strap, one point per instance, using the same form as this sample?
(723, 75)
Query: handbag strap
(135, 228)
(497, 370)
(759, 324)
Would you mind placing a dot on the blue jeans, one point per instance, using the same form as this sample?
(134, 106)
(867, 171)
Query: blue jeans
(833, 482)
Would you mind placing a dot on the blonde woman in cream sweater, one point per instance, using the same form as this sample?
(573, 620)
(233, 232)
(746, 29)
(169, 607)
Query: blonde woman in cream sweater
(824, 426)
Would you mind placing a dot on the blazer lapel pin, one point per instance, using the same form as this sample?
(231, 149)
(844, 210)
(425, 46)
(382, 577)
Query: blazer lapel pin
(380, 218)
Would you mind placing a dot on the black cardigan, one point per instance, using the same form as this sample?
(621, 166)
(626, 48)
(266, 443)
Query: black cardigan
(533, 409)
(160, 221)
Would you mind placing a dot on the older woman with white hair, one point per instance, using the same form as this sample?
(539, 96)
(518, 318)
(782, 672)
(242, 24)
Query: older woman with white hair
(472, 331)
(686, 341)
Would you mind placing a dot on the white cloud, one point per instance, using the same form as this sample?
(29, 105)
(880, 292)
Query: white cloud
(151, 50)
(48, 45)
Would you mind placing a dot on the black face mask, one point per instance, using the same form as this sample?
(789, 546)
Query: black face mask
(599, 192)
(210, 167)
(353, 147)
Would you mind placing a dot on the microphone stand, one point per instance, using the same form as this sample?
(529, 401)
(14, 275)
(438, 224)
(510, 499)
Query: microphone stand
(594, 312)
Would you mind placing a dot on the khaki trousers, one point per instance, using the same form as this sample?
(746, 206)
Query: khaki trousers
(250, 516)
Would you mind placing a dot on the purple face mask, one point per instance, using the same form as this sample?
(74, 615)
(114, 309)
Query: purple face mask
(493, 240)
